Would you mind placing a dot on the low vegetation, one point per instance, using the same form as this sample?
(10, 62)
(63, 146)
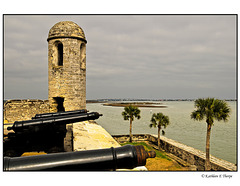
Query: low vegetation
(161, 162)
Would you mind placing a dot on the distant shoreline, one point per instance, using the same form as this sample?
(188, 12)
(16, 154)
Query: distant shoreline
(136, 104)
(141, 100)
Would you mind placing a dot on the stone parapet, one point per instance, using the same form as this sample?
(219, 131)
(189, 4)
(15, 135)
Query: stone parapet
(189, 154)
(18, 110)
(88, 135)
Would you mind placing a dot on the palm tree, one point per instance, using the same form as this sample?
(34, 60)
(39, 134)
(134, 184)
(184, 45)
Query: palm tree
(128, 114)
(210, 109)
(159, 120)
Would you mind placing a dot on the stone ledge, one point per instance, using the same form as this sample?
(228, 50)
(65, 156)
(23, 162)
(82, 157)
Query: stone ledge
(214, 160)
(88, 135)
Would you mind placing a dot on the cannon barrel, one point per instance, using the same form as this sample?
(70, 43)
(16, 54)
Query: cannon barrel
(125, 157)
(44, 115)
(40, 124)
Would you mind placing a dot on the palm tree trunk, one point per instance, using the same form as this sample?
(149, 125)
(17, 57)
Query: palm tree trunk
(159, 128)
(207, 162)
(130, 131)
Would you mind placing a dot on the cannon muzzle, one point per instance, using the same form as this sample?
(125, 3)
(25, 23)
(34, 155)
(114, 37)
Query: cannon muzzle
(125, 157)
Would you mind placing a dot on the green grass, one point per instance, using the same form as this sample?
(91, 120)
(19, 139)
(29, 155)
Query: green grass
(159, 154)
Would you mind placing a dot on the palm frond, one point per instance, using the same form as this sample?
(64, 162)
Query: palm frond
(131, 112)
(159, 119)
(211, 109)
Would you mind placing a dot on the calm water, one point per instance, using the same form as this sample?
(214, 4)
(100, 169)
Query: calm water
(182, 128)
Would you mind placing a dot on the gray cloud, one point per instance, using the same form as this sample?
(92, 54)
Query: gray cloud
(129, 56)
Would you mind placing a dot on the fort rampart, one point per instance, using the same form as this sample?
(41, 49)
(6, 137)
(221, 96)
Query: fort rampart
(18, 110)
(184, 152)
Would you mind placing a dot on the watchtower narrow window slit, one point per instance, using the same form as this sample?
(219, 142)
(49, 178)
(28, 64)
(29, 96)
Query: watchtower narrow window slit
(83, 56)
(60, 54)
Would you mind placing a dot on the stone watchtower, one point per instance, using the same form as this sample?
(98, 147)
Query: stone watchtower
(66, 67)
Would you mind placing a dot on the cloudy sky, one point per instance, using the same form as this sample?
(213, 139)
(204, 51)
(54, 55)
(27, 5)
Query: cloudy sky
(128, 56)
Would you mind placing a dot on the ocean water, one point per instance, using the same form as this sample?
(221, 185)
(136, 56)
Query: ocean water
(223, 140)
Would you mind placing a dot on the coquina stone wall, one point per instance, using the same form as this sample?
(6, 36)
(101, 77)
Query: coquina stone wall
(18, 110)
(66, 67)
(186, 153)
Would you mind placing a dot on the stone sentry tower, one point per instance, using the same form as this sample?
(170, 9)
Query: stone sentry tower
(66, 67)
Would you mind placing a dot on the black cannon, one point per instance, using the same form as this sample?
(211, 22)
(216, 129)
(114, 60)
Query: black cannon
(46, 133)
(45, 115)
(48, 123)
(126, 157)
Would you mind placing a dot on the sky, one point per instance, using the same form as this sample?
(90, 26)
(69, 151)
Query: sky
(128, 56)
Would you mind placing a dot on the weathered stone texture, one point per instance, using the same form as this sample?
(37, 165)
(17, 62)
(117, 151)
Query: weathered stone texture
(66, 29)
(67, 81)
(17, 110)
(88, 135)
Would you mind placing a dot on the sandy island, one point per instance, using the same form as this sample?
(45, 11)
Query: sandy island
(136, 104)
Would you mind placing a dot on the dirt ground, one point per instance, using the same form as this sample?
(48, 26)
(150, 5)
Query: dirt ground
(161, 164)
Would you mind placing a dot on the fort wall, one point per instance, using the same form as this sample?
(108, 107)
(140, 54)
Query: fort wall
(189, 154)
(18, 110)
